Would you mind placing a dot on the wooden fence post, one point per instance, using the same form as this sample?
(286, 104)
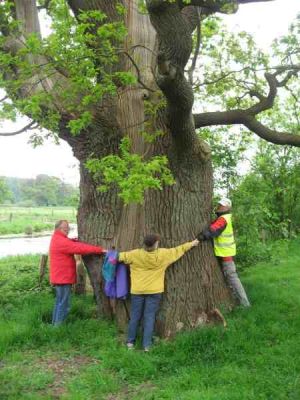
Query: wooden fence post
(43, 267)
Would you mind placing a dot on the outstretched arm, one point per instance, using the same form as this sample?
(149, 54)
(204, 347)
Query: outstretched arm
(214, 230)
(175, 253)
(70, 247)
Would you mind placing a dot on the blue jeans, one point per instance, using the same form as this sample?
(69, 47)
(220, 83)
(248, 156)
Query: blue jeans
(62, 304)
(146, 306)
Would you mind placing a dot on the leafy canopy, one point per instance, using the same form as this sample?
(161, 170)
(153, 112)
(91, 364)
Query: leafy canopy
(78, 57)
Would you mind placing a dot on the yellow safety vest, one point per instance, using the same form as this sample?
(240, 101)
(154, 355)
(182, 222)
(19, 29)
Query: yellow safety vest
(224, 245)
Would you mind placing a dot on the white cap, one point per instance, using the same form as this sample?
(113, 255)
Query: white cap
(225, 202)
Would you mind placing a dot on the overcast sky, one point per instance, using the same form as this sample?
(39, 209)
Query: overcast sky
(17, 158)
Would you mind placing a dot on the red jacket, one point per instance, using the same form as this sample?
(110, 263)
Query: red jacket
(62, 262)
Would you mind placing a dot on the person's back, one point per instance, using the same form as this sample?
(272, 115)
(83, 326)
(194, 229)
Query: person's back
(147, 271)
(148, 268)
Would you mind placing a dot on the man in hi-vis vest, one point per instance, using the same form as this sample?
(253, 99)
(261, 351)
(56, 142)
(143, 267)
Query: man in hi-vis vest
(221, 231)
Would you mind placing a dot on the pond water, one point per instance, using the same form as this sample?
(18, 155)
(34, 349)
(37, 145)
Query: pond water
(28, 245)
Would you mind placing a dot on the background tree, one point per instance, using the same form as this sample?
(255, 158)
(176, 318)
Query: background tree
(5, 193)
(228, 153)
(43, 191)
(267, 201)
(111, 79)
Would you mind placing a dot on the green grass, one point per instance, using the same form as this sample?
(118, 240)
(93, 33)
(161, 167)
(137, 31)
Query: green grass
(14, 220)
(256, 357)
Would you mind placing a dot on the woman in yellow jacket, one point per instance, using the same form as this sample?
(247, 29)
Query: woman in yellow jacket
(147, 270)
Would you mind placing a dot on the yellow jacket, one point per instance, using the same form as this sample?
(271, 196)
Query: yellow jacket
(147, 268)
(224, 244)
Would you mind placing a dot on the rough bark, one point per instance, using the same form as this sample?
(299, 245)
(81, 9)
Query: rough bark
(80, 286)
(194, 285)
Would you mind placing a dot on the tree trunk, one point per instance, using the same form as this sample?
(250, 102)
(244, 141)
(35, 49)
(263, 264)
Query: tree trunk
(80, 286)
(194, 285)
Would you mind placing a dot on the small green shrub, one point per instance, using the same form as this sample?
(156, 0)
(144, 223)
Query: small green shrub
(250, 253)
(28, 230)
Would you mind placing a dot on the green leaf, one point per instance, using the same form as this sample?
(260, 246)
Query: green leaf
(130, 173)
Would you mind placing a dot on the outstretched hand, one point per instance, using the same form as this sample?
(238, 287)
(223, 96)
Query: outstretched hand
(195, 242)
(200, 236)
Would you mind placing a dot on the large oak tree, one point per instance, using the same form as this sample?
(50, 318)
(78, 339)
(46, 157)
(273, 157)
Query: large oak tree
(111, 79)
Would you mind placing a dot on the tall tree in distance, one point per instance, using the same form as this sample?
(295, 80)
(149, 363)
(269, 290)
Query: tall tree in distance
(113, 80)
(44, 190)
(5, 192)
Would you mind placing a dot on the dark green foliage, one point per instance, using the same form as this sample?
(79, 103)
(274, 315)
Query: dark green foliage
(266, 202)
(43, 191)
(5, 193)
(19, 277)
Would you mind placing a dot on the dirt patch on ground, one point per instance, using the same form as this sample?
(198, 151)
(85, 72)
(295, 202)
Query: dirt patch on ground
(128, 392)
(63, 369)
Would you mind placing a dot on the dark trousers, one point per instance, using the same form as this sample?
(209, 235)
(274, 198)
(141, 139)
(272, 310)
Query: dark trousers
(62, 304)
(146, 306)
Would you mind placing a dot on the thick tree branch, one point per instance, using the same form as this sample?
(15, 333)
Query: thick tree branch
(242, 117)
(254, 93)
(270, 135)
(197, 49)
(265, 103)
(106, 6)
(173, 30)
(253, 1)
(289, 75)
(219, 118)
(175, 46)
(192, 14)
(222, 6)
(247, 117)
(174, 27)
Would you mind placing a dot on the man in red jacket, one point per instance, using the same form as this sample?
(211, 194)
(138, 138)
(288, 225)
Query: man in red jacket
(63, 267)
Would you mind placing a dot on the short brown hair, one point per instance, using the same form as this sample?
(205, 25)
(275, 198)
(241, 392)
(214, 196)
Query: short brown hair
(151, 239)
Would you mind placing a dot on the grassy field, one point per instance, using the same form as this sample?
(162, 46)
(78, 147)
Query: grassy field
(256, 357)
(15, 220)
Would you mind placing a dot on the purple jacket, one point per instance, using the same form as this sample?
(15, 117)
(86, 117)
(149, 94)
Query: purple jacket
(115, 276)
